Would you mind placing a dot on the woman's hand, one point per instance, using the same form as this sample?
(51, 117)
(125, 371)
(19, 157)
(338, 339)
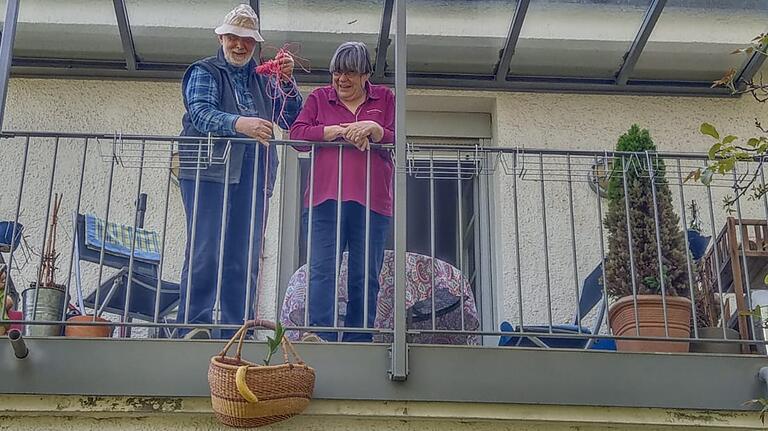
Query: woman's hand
(331, 133)
(362, 133)
(256, 128)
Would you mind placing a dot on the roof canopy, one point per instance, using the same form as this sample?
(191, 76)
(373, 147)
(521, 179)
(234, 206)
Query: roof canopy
(632, 46)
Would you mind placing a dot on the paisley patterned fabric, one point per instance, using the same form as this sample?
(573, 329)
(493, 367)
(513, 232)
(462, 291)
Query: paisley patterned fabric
(451, 286)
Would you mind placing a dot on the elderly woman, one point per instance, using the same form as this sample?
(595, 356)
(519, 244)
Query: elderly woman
(350, 110)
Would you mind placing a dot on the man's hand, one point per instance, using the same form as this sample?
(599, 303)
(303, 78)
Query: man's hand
(286, 65)
(361, 133)
(256, 128)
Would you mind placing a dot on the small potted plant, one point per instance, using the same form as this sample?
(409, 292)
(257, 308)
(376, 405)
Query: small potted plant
(45, 299)
(630, 185)
(708, 322)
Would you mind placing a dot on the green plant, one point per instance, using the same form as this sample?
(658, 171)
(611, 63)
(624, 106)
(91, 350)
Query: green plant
(635, 168)
(728, 150)
(273, 344)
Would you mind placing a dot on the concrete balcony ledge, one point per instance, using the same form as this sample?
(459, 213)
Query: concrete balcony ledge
(32, 412)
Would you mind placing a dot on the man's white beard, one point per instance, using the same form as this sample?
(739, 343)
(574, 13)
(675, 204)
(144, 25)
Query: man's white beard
(232, 61)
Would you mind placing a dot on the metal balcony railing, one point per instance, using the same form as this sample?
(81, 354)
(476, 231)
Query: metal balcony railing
(95, 226)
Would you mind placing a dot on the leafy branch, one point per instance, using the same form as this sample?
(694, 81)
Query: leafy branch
(727, 151)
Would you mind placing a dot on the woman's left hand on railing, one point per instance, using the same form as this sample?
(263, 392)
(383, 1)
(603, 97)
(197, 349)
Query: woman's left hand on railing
(361, 133)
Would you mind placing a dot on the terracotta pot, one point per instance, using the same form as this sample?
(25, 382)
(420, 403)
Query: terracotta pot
(103, 331)
(651, 319)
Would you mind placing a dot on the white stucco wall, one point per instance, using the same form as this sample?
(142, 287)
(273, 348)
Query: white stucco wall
(531, 120)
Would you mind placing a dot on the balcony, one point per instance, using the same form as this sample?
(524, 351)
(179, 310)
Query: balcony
(510, 217)
(517, 231)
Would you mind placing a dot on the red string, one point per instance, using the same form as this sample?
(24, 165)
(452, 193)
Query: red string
(273, 70)
(270, 67)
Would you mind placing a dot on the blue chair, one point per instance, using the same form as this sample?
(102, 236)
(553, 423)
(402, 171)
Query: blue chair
(591, 295)
(9, 242)
(112, 291)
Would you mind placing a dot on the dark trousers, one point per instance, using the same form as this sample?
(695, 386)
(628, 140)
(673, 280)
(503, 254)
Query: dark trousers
(322, 275)
(202, 267)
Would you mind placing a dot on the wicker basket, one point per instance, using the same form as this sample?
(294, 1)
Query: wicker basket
(247, 395)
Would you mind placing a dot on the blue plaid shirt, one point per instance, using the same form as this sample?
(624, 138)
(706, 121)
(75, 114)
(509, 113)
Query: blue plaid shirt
(203, 99)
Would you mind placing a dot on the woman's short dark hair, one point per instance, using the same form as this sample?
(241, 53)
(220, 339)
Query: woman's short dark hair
(351, 57)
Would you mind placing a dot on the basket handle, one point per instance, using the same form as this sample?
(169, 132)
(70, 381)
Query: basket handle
(260, 323)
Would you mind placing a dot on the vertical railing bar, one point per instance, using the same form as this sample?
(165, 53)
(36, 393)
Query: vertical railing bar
(744, 247)
(460, 259)
(45, 229)
(687, 249)
(602, 237)
(724, 318)
(519, 268)
(631, 245)
(337, 269)
(432, 233)
(156, 314)
(252, 232)
(652, 174)
(74, 237)
(15, 223)
(222, 238)
(573, 244)
(113, 161)
(546, 242)
(131, 258)
(192, 236)
(311, 205)
(367, 270)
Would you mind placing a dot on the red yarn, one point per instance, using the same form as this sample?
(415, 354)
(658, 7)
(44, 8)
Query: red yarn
(269, 67)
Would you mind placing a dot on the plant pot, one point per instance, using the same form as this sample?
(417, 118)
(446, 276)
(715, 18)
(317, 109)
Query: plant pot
(651, 320)
(716, 333)
(89, 331)
(43, 303)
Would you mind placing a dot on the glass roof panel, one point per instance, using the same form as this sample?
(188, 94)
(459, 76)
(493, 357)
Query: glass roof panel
(85, 31)
(577, 38)
(693, 39)
(313, 29)
(176, 32)
(456, 37)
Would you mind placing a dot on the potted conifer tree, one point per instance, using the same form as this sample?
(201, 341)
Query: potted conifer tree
(632, 244)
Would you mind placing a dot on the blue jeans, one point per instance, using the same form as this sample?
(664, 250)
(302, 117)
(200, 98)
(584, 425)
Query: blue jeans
(323, 266)
(203, 266)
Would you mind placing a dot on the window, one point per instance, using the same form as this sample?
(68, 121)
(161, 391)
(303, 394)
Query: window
(445, 184)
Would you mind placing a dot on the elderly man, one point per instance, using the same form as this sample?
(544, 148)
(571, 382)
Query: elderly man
(225, 97)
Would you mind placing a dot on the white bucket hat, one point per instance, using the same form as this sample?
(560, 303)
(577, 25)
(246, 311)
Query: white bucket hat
(241, 21)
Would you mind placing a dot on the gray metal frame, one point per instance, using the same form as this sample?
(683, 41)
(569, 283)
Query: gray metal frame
(6, 51)
(134, 68)
(383, 42)
(40, 67)
(124, 26)
(643, 34)
(750, 69)
(502, 69)
(399, 354)
(353, 371)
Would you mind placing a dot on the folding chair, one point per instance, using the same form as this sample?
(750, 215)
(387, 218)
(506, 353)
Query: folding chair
(591, 295)
(144, 273)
